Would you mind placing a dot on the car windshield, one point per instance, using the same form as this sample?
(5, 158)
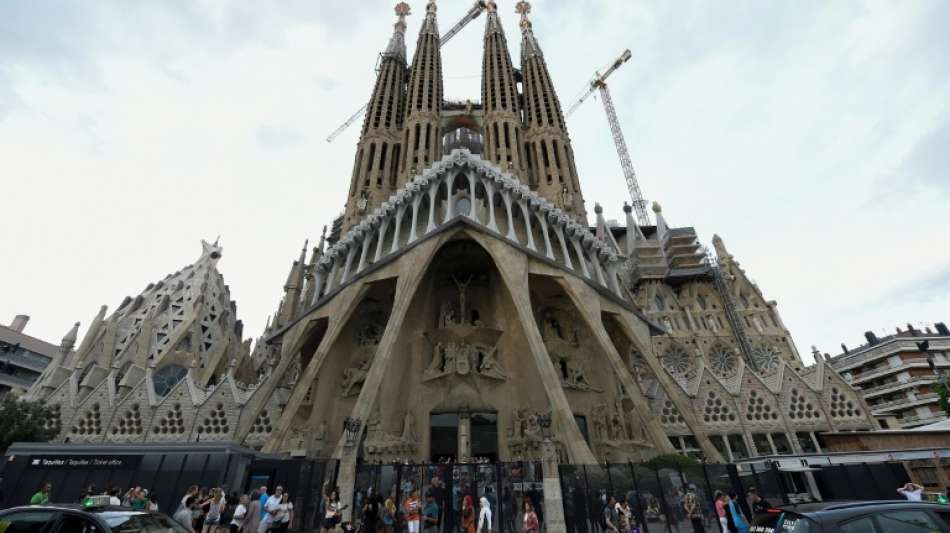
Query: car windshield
(786, 522)
(138, 522)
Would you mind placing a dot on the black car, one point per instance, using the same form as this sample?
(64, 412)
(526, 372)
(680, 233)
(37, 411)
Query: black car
(881, 516)
(66, 518)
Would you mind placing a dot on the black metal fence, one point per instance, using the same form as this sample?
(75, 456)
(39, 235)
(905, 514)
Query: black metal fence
(505, 485)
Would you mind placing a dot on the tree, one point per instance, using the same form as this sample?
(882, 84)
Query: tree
(24, 421)
(671, 460)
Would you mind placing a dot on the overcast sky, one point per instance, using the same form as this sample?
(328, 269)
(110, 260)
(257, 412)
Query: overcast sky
(813, 136)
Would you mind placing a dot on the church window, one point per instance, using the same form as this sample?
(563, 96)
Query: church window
(744, 300)
(659, 302)
(701, 302)
(165, 378)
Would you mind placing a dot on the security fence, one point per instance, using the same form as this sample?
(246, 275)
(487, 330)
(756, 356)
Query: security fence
(504, 485)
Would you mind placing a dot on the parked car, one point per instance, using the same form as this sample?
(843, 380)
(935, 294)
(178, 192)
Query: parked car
(69, 518)
(881, 516)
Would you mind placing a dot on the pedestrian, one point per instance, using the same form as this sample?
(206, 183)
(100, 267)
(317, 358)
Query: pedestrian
(191, 492)
(213, 507)
(721, 503)
(412, 507)
(239, 515)
(691, 506)
(912, 491)
(152, 502)
(137, 499)
(430, 515)
(253, 520)
(370, 511)
(484, 515)
(531, 524)
(468, 514)
(183, 515)
(263, 497)
(331, 517)
(389, 514)
(738, 518)
(42, 496)
(757, 504)
(284, 515)
(270, 509)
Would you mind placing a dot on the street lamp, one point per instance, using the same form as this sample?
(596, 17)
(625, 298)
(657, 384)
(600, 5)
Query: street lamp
(351, 428)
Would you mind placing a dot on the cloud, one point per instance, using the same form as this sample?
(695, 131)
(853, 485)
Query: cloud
(932, 287)
(274, 137)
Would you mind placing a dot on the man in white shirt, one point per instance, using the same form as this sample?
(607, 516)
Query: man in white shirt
(912, 492)
(271, 508)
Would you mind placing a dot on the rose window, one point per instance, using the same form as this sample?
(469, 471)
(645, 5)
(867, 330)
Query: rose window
(766, 359)
(723, 362)
(676, 360)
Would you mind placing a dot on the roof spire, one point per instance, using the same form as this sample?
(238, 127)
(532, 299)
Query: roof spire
(430, 25)
(529, 43)
(397, 44)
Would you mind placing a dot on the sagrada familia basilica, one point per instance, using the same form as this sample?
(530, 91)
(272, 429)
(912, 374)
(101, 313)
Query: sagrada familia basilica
(465, 307)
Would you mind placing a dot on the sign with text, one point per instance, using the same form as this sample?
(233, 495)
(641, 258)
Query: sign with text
(85, 461)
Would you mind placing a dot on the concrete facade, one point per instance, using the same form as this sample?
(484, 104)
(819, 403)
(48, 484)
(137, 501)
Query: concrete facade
(895, 377)
(23, 358)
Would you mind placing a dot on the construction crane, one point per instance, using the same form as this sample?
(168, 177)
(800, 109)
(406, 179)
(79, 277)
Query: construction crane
(599, 83)
(472, 14)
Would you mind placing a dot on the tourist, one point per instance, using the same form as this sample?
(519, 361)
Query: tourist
(183, 515)
(191, 492)
(739, 519)
(389, 514)
(213, 507)
(468, 514)
(610, 515)
(331, 517)
(152, 502)
(370, 511)
(137, 499)
(531, 524)
(412, 507)
(239, 515)
(721, 503)
(484, 515)
(757, 504)
(634, 524)
(625, 513)
(114, 496)
(691, 506)
(42, 496)
(263, 497)
(430, 515)
(912, 492)
(200, 509)
(284, 515)
(253, 520)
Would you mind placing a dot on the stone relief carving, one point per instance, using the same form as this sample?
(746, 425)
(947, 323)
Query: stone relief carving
(463, 358)
(526, 438)
(353, 378)
(384, 447)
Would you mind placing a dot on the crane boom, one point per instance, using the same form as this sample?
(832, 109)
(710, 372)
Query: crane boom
(599, 83)
(472, 14)
(600, 79)
(636, 197)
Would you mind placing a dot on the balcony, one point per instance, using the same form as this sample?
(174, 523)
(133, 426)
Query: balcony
(888, 348)
(903, 403)
(895, 386)
(917, 362)
(920, 420)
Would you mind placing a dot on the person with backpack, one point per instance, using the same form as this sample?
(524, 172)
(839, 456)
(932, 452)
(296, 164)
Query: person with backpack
(610, 517)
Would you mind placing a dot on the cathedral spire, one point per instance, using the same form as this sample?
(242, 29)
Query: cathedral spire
(378, 151)
(500, 99)
(550, 157)
(421, 136)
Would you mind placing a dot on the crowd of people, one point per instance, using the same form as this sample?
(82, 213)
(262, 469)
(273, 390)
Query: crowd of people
(204, 510)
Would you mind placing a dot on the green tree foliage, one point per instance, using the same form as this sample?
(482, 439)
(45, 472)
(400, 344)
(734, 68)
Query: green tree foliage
(671, 460)
(23, 421)
(943, 389)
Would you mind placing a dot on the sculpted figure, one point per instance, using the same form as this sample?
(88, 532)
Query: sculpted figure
(409, 428)
(354, 377)
(438, 360)
(517, 424)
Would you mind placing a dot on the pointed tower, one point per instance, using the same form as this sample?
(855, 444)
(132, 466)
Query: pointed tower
(379, 149)
(500, 100)
(422, 138)
(550, 157)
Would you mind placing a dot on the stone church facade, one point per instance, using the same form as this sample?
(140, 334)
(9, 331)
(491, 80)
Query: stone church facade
(466, 309)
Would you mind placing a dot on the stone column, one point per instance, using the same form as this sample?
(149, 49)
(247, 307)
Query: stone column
(553, 499)
(465, 436)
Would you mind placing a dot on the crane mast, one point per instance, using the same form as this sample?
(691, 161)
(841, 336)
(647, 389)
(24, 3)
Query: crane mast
(599, 83)
(472, 14)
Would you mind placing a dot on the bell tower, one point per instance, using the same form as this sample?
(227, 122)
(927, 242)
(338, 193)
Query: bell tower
(379, 149)
(550, 157)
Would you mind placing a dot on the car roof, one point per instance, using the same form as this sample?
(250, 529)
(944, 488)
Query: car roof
(834, 510)
(74, 507)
